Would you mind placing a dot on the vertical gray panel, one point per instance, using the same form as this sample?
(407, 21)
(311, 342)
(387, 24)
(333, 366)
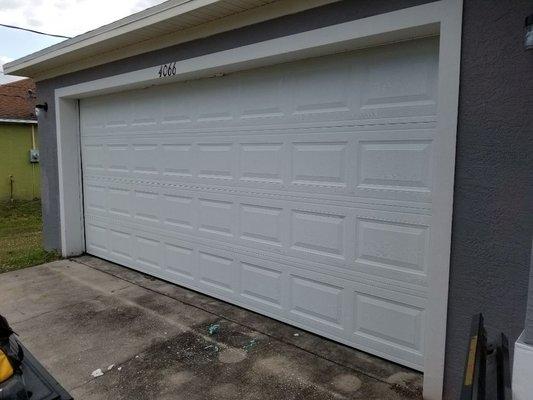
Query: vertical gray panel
(529, 313)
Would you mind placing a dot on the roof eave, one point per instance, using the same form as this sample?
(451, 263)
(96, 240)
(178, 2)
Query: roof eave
(108, 42)
(17, 121)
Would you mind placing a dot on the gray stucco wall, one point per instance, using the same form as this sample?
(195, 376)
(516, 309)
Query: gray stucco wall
(528, 338)
(493, 201)
(492, 223)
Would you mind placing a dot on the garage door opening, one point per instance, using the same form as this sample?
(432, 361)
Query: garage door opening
(302, 191)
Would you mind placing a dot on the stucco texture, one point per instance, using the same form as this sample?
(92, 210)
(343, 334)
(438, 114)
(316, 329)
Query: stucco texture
(492, 220)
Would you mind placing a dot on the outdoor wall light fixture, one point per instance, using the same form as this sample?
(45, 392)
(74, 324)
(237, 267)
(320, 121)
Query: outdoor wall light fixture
(528, 38)
(39, 108)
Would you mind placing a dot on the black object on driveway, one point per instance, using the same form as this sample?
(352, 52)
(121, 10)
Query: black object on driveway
(38, 380)
(26, 378)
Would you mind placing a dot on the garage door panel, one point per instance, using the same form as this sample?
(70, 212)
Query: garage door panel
(387, 244)
(391, 321)
(176, 160)
(393, 165)
(391, 246)
(315, 233)
(262, 224)
(216, 271)
(262, 162)
(301, 190)
(179, 211)
(395, 83)
(400, 84)
(180, 261)
(118, 201)
(317, 301)
(263, 284)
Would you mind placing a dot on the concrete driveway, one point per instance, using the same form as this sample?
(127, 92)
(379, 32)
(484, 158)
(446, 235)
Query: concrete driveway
(152, 340)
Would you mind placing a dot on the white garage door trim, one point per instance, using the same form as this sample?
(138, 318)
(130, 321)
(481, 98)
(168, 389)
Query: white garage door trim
(442, 18)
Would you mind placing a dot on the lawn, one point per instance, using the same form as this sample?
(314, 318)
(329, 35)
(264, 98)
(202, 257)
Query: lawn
(21, 236)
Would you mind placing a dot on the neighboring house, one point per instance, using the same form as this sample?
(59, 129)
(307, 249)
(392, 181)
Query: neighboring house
(359, 169)
(19, 173)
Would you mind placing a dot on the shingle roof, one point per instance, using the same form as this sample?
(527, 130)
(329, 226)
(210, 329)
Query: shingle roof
(16, 100)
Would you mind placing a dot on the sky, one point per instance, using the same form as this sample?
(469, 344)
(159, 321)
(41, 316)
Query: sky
(62, 17)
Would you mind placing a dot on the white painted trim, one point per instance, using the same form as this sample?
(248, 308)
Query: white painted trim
(69, 172)
(522, 384)
(73, 55)
(17, 121)
(439, 18)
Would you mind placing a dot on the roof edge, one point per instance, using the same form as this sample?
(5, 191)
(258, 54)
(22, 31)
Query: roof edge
(129, 23)
(18, 121)
(33, 64)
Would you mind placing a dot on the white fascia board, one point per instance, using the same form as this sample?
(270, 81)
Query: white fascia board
(17, 121)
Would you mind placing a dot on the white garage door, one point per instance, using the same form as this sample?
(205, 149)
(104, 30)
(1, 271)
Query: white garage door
(302, 191)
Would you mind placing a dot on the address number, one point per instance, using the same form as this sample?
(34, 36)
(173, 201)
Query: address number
(167, 70)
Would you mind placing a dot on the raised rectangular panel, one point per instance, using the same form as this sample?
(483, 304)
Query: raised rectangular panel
(404, 76)
(120, 244)
(215, 160)
(175, 110)
(217, 271)
(319, 163)
(96, 237)
(318, 233)
(176, 119)
(179, 260)
(388, 320)
(144, 109)
(142, 122)
(145, 159)
(316, 300)
(93, 157)
(261, 162)
(179, 211)
(117, 114)
(91, 119)
(400, 165)
(95, 198)
(216, 217)
(176, 160)
(149, 252)
(147, 207)
(261, 284)
(260, 96)
(116, 123)
(261, 224)
(118, 201)
(391, 244)
(321, 87)
(214, 100)
(118, 157)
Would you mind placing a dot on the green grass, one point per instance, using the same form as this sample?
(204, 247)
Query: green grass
(21, 236)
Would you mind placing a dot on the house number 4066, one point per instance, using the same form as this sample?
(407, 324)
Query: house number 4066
(167, 70)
